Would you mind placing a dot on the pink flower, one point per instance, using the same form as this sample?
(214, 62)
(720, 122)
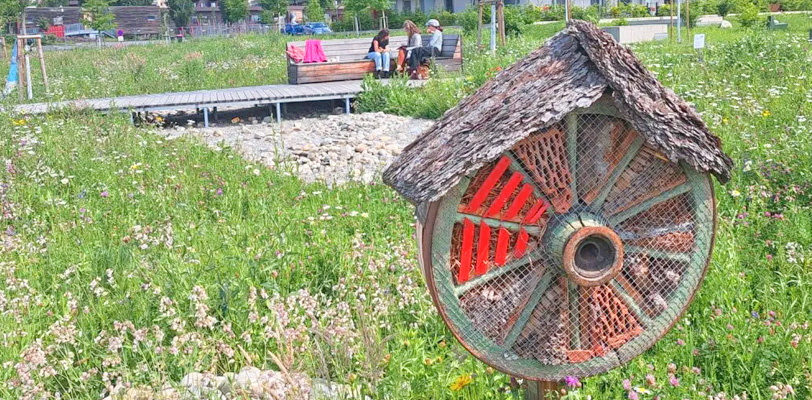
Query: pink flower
(651, 380)
(673, 381)
(627, 384)
(572, 382)
(680, 342)
(104, 194)
(769, 257)
(633, 395)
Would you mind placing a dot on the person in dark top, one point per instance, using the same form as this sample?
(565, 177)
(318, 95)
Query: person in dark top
(434, 48)
(379, 52)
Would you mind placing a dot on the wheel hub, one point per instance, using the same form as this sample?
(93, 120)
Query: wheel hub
(591, 253)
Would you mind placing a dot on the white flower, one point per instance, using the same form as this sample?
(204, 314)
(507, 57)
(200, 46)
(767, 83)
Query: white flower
(735, 193)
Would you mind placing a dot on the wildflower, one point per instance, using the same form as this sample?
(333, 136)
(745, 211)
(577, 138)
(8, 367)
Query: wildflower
(725, 120)
(627, 384)
(642, 390)
(766, 113)
(651, 380)
(461, 382)
(572, 382)
(673, 381)
(19, 122)
(633, 395)
(769, 257)
(428, 361)
(680, 342)
(104, 194)
(735, 193)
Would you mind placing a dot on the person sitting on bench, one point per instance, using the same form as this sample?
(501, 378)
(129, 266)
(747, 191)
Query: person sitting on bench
(421, 54)
(379, 53)
(415, 40)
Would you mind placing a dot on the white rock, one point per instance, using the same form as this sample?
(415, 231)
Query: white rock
(725, 25)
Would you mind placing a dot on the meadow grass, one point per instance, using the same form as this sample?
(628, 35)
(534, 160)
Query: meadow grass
(128, 259)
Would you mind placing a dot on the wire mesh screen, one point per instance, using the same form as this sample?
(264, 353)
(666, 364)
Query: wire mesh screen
(571, 253)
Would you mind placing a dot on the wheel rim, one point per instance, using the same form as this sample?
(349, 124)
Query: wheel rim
(544, 271)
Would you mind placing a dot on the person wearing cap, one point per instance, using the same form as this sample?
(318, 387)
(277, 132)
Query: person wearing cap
(434, 48)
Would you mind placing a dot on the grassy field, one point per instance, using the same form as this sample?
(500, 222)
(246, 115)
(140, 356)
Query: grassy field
(131, 260)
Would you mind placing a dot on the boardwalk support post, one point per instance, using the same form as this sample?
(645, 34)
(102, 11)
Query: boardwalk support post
(205, 117)
(278, 113)
(347, 105)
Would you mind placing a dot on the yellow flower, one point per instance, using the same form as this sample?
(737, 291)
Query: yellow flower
(725, 121)
(766, 113)
(19, 122)
(428, 361)
(461, 382)
(642, 390)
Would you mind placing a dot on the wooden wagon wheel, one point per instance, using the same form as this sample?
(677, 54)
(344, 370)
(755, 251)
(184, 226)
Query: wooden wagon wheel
(570, 254)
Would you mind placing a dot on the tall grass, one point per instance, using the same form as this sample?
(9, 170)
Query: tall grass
(130, 260)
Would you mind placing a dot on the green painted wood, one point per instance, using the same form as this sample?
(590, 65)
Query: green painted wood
(527, 311)
(574, 295)
(615, 220)
(572, 151)
(666, 255)
(631, 304)
(617, 172)
(495, 223)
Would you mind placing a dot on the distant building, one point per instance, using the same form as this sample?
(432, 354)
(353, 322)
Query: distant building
(133, 20)
(208, 12)
(455, 6)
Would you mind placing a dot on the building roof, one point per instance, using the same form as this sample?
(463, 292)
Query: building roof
(572, 70)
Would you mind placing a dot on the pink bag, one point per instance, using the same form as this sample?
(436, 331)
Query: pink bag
(313, 52)
(296, 54)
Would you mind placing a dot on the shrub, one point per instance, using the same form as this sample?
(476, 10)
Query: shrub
(552, 13)
(748, 14)
(690, 16)
(724, 7)
(664, 10)
(587, 14)
(514, 19)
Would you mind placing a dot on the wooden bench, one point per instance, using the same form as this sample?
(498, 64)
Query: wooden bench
(346, 59)
(773, 23)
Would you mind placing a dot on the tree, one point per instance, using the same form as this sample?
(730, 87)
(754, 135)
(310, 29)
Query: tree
(234, 10)
(98, 17)
(273, 8)
(313, 11)
(14, 10)
(181, 11)
(356, 7)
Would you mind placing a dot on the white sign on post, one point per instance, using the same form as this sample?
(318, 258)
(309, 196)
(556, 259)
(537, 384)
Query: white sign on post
(699, 41)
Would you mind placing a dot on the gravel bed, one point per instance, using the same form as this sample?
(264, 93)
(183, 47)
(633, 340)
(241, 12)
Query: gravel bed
(332, 148)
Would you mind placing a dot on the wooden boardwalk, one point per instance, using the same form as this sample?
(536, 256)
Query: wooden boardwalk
(252, 96)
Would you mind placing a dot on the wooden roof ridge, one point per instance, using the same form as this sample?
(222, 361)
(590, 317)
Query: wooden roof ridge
(572, 70)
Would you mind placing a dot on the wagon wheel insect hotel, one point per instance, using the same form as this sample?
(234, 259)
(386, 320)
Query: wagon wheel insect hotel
(566, 213)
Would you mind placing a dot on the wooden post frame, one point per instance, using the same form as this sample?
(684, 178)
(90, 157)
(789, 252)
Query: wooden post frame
(541, 390)
(499, 5)
(3, 43)
(21, 60)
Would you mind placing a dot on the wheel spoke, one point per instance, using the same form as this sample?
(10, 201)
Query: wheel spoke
(648, 203)
(662, 254)
(575, 320)
(601, 192)
(630, 298)
(497, 272)
(528, 307)
(495, 223)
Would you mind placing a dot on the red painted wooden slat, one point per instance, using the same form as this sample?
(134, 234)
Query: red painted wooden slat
(536, 211)
(502, 243)
(504, 195)
(518, 202)
(467, 250)
(490, 182)
(521, 244)
(483, 251)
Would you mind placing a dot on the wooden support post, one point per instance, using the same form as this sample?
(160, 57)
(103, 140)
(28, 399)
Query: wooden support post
(42, 64)
(3, 42)
(541, 390)
(568, 9)
(688, 17)
(500, 15)
(20, 69)
(671, 20)
(479, 27)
